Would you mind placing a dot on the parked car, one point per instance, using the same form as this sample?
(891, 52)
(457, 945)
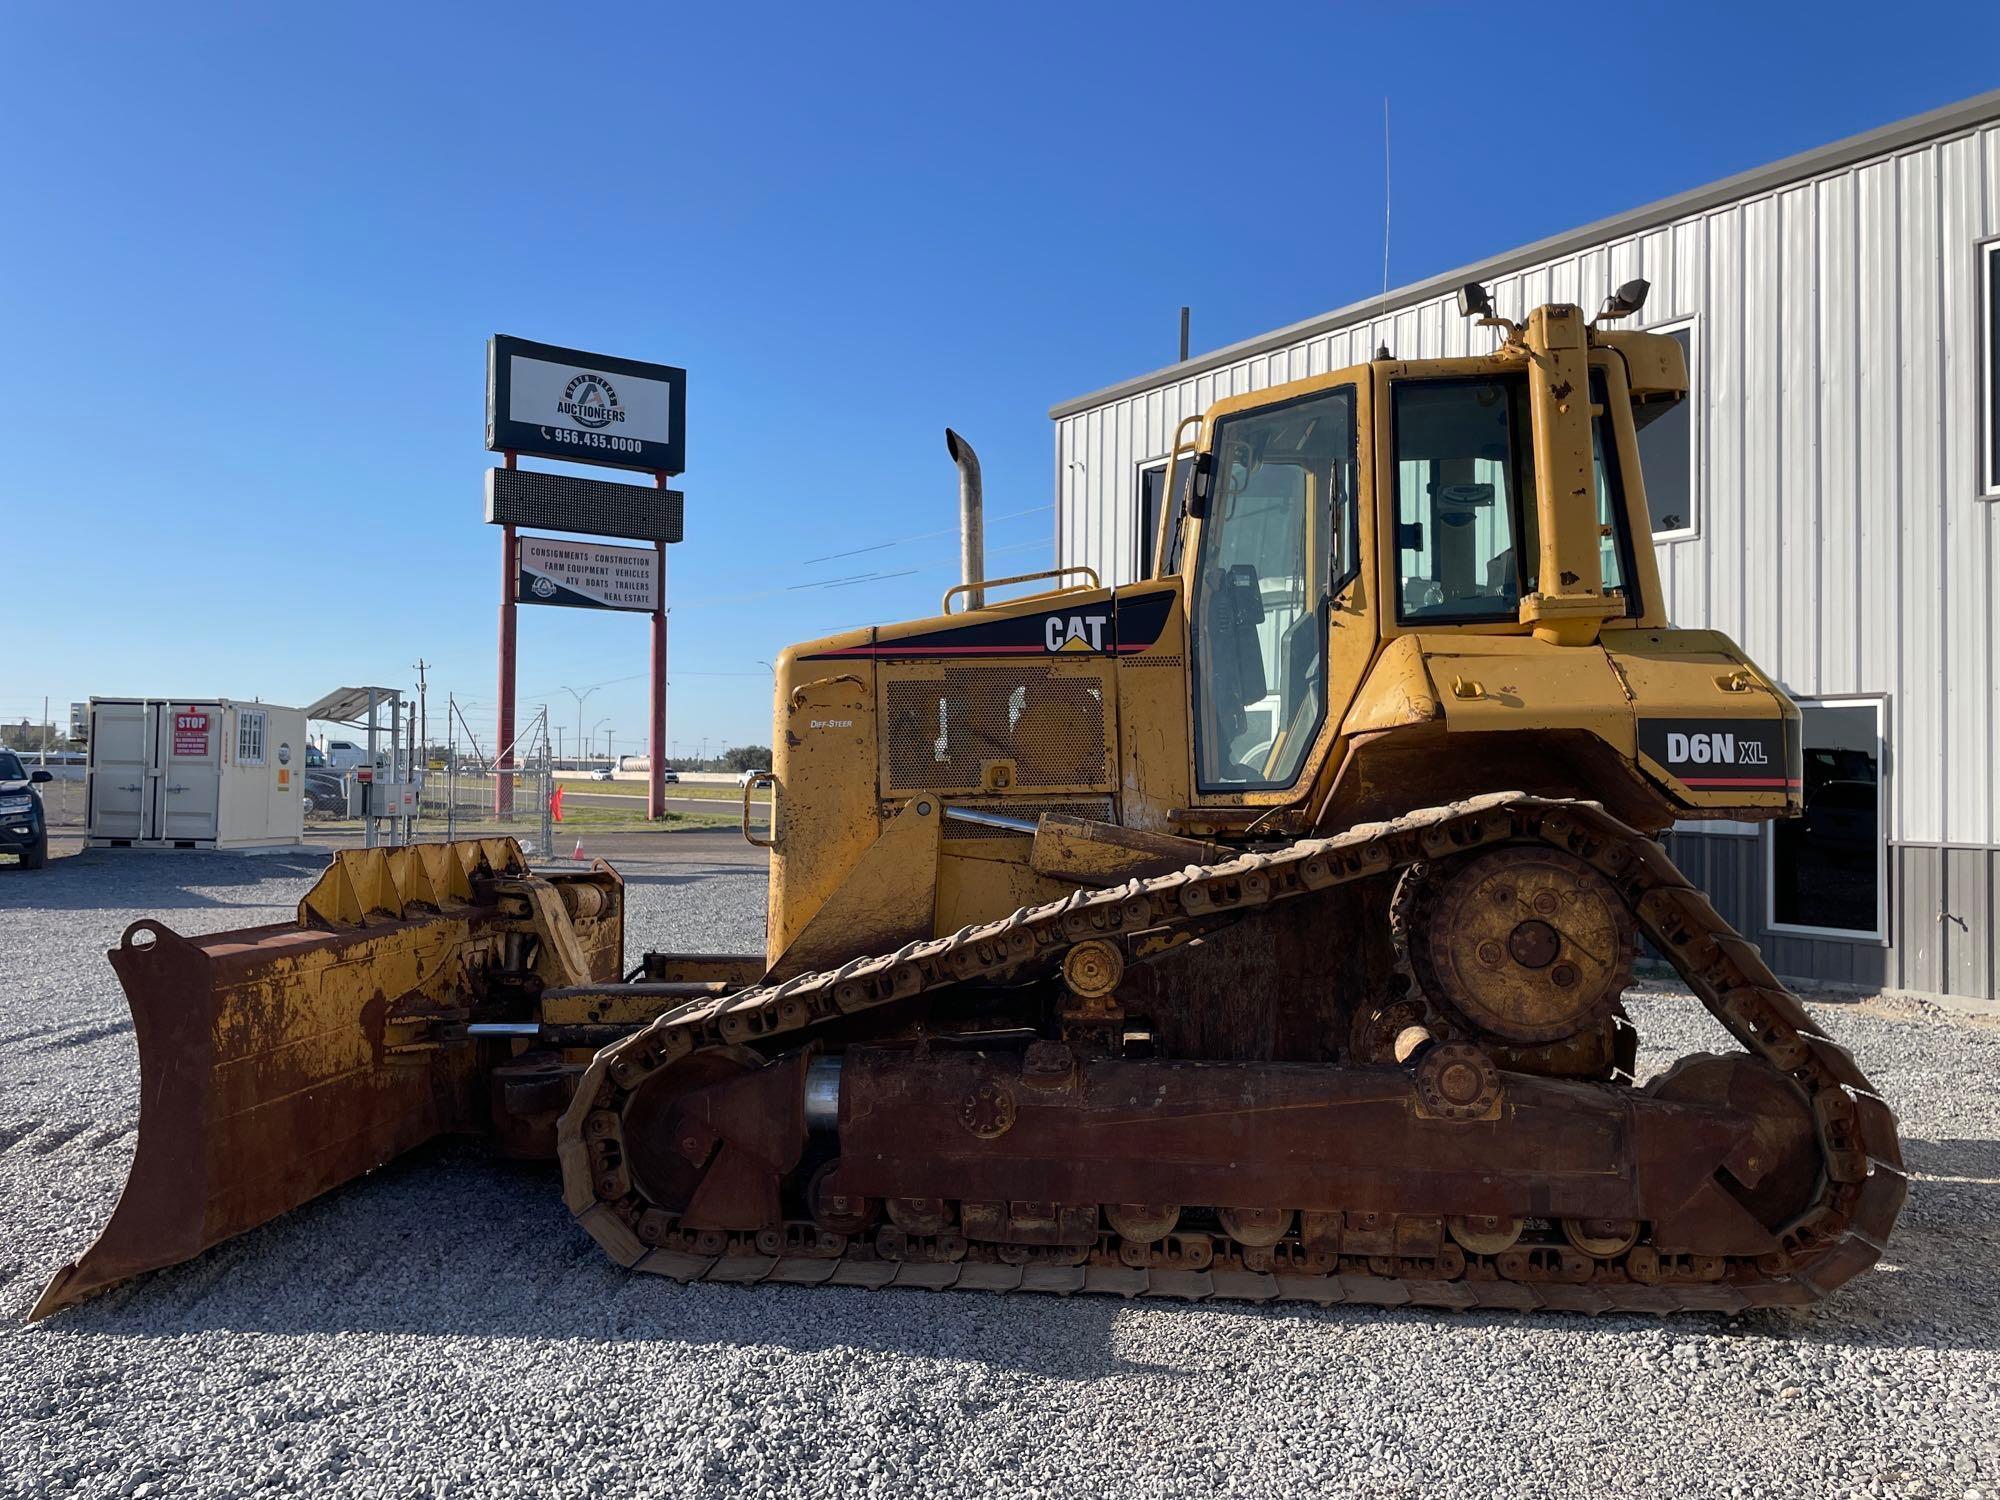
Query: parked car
(326, 792)
(24, 827)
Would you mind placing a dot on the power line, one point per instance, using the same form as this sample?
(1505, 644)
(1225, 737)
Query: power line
(924, 536)
(820, 583)
(848, 583)
(856, 552)
(611, 682)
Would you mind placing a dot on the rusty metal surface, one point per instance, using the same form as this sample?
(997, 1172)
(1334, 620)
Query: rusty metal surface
(1251, 1135)
(1091, 852)
(733, 969)
(274, 1066)
(1714, 1252)
(278, 1062)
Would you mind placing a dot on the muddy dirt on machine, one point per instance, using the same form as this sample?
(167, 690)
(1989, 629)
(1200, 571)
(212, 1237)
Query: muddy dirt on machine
(766, 1136)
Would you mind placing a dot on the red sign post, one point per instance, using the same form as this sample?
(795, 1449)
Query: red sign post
(503, 782)
(656, 721)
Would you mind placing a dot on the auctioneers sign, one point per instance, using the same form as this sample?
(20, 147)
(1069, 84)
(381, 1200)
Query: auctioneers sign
(586, 408)
(587, 575)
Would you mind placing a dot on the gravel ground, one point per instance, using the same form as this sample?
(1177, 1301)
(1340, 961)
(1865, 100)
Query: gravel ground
(442, 1327)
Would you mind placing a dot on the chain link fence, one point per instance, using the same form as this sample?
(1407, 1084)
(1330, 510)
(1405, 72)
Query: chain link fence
(475, 795)
(63, 798)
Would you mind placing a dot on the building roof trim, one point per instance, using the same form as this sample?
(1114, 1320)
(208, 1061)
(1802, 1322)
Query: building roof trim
(1884, 140)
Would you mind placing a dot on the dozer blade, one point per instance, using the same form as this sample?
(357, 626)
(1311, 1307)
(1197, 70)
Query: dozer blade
(278, 1062)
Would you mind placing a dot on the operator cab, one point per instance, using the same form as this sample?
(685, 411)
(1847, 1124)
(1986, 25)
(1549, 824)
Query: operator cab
(1295, 498)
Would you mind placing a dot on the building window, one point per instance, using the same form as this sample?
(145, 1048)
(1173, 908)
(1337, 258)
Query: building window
(1152, 498)
(1989, 367)
(1827, 872)
(249, 738)
(1667, 455)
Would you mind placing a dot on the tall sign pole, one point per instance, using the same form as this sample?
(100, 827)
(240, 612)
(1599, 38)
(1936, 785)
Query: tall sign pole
(656, 746)
(503, 750)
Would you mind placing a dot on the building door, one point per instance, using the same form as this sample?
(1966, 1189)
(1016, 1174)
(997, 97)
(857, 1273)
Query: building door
(121, 751)
(191, 770)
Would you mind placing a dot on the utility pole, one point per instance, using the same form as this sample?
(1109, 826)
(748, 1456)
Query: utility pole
(582, 745)
(423, 714)
(45, 729)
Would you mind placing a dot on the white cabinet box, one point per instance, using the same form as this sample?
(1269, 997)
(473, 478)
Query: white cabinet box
(195, 773)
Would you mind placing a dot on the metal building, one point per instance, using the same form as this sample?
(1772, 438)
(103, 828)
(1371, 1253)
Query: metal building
(1829, 495)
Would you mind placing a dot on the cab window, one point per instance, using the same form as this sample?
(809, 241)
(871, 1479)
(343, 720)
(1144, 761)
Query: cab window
(1277, 543)
(1467, 539)
(1614, 533)
(1458, 478)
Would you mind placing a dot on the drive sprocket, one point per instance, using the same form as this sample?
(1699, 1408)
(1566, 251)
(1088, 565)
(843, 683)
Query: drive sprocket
(1525, 944)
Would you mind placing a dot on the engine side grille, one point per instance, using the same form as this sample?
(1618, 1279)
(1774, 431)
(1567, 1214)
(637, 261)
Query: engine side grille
(942, 728)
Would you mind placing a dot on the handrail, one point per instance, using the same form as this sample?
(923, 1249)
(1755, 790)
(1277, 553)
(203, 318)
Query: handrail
(994, 583)
(750, 784)
(1170, 521)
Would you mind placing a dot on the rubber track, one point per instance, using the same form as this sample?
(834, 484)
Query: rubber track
(1840, 1234)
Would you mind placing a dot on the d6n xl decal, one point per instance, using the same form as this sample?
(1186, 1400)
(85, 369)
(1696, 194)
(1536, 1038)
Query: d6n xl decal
(1721, 754)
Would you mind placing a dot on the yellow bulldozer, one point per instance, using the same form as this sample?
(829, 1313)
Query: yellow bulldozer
(1258, 929)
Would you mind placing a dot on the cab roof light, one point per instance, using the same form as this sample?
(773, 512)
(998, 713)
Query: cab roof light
(1623, 303)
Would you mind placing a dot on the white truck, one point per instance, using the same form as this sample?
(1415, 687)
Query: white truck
(343, 755)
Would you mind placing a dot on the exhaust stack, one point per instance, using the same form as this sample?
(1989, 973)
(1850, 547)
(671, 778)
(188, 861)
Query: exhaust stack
(971, 517)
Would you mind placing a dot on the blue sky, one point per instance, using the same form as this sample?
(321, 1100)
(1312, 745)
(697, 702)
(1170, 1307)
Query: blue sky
(249, 261)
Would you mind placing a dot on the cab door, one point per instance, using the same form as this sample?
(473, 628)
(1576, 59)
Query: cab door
(1281, 624)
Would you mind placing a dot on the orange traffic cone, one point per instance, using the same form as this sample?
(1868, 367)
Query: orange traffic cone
(578, 855)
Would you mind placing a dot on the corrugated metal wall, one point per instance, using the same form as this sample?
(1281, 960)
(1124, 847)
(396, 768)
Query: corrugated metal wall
(1840, 536)
(1943, 903)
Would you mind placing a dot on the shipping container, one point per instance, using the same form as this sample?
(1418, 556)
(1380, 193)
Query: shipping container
(195, 773)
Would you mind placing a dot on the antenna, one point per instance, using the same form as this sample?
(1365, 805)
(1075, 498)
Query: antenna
(1382, 350)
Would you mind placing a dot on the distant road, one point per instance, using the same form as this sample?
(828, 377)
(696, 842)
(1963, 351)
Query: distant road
(637, 805)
